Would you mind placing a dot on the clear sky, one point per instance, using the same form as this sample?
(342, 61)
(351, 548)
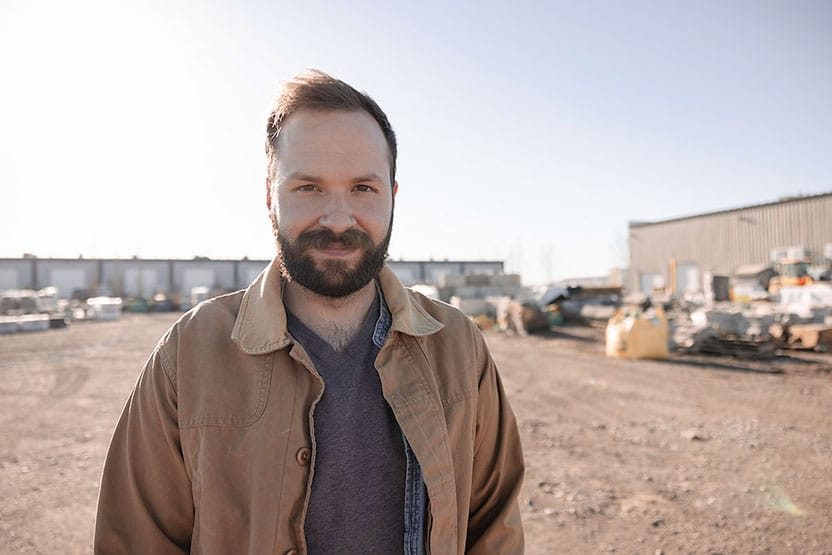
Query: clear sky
(528, 131)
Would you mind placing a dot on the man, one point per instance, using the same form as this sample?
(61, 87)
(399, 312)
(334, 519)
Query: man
(326, 408)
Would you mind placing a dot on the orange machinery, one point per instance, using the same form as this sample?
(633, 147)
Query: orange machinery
(790, 272)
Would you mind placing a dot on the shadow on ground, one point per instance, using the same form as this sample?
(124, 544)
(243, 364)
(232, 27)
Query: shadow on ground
(710, 364)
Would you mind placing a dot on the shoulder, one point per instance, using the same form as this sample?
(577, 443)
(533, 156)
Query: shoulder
(209, 322)
(458, 332)
(441, 311)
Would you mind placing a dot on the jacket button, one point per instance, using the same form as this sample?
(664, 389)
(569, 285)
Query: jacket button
(303, 456)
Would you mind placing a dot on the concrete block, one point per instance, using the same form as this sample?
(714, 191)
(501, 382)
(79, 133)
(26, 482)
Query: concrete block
(478, 279)
(8, 325)
(452, 280)
(471, 307)
(33, 322)
(506, 280)
(467, 292)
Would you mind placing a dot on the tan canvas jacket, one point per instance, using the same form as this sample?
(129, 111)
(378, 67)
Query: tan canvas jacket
(215, 448)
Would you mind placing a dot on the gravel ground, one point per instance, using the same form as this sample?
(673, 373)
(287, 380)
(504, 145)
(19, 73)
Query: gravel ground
(687, 455)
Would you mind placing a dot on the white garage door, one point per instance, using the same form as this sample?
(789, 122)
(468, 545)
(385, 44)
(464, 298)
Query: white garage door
(140, 283)
(9, 280)
(198, 278)
(67, 281)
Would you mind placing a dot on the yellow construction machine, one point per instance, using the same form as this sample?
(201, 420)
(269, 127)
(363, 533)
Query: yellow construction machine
(790, 272)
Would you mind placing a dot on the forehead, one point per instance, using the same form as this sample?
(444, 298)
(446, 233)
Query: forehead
(320, 141)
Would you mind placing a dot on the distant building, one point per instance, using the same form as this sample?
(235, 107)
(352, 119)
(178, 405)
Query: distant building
(616, 278)
(433, 272)
(682, 253)
(144, 277)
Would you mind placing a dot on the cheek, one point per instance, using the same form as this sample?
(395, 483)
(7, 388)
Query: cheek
(373, 214)
(377, 227)
(295, 215)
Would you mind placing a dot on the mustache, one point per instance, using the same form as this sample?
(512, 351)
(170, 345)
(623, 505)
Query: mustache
(322, 238)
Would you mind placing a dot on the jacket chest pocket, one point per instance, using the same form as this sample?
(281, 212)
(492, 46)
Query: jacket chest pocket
(229, 391)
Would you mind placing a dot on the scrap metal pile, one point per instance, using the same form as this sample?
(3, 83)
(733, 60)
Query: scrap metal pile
(802, 319)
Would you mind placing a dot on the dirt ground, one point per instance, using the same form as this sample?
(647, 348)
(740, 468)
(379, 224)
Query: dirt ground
(688, 455)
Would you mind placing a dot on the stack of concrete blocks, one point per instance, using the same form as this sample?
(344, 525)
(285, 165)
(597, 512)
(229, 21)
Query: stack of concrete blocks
(8, 324)
(33, 322)
(104, 308)
(809, 303)
(15, 302)
(482, 294)
(24, 323)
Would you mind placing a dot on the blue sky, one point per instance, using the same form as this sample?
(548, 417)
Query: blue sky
(529, 131)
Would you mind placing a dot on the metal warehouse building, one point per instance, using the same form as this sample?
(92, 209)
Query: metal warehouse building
(680, 254)
(139, 277)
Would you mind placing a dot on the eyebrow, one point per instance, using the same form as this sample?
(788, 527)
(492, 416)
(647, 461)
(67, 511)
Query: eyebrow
(303, 176)
(368, 177)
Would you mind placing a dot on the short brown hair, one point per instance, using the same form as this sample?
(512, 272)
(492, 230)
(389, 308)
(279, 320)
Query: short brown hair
(315, 90)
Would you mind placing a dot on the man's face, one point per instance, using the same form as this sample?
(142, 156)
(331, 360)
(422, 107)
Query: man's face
(331, 200)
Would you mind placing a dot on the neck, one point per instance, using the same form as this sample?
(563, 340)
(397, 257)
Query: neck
(336, 320)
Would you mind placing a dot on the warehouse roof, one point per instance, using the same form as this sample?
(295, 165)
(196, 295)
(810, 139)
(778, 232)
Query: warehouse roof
(784, 200)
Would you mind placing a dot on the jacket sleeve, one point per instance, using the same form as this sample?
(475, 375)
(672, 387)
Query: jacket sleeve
(494, 524)
(145, 503)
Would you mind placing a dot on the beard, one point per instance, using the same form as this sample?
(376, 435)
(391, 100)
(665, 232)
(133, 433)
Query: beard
(335, 278)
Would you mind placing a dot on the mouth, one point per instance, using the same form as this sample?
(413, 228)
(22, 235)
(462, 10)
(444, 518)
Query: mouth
(337, 250)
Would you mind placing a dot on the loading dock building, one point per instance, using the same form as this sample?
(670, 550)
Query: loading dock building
(682, 253)
(139, 277)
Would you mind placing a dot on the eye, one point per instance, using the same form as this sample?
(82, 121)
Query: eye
(307, 187)
(361, 187)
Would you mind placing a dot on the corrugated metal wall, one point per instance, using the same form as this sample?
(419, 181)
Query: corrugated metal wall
(722, 241)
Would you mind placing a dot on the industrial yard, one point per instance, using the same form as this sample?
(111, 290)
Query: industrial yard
(631, 203)
(692, 454)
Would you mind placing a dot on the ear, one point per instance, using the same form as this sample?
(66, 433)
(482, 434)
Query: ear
(268, 194)
(395, 188)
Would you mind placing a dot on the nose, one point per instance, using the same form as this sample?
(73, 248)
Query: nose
(337, 215)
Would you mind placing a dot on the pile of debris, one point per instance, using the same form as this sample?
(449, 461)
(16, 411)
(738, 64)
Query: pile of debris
(490, 300)
(530, 312)
(802, 320)
(583, 305)
(24, 310)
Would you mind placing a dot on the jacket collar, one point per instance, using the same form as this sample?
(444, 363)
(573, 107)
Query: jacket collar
(260, 326)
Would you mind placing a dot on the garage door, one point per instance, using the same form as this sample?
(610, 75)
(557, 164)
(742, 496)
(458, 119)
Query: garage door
(9, 280)
(141, 282)
(67, 281)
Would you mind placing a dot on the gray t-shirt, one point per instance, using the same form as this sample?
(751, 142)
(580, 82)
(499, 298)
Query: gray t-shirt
(357, 500)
